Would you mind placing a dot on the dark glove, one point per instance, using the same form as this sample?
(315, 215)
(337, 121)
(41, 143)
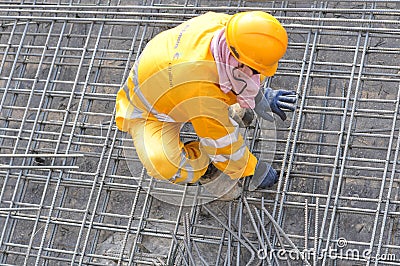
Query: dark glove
(264, 177)
(276, 100)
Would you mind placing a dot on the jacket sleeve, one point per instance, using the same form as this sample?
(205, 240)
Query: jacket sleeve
(220, 138)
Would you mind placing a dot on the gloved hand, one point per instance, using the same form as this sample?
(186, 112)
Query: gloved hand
(264, 176)
(276, 100)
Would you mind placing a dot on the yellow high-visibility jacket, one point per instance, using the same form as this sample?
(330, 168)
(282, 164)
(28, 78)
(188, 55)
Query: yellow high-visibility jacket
(176, 80)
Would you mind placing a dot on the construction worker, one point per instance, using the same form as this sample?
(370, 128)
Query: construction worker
(193, 73)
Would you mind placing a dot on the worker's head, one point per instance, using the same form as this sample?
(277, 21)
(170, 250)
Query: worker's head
(257, 39)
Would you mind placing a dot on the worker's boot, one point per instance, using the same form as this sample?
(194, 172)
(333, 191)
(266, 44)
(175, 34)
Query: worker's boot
(213, 173)
(242, 116)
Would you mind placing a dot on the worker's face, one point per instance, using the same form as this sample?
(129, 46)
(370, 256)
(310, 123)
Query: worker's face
(242, 73)
(244, 69)
(247, 70)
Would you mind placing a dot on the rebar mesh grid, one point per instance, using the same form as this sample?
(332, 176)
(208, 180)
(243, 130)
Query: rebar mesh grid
(67, 196)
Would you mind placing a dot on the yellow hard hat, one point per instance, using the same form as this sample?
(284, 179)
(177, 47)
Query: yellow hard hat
(257, 39)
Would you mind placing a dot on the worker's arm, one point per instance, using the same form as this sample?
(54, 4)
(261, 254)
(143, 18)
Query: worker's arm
(219, 134)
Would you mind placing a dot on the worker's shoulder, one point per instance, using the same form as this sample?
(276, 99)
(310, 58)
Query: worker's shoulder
(212, 18)
(216, 15)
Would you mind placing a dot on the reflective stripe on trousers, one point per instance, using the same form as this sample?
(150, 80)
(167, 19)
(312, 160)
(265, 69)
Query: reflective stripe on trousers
(185, 165)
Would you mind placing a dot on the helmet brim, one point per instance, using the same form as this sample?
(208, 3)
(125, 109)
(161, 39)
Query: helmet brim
(269, 71)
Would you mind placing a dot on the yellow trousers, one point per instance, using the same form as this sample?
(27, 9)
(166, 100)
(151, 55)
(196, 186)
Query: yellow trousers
(162, 153)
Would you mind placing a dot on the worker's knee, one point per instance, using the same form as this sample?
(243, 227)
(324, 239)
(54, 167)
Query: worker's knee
(160, 165)
(166, 167)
